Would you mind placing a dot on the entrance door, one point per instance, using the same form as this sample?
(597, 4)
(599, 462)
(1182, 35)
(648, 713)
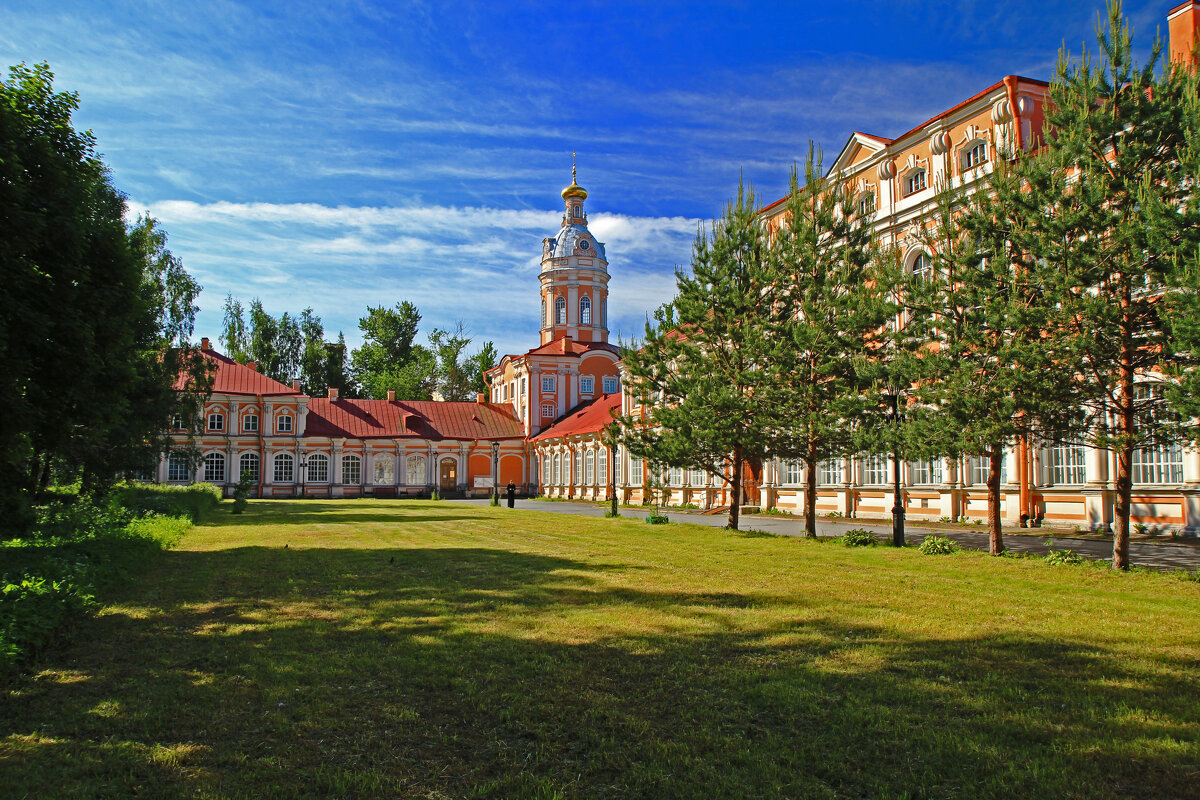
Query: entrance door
(449, 474)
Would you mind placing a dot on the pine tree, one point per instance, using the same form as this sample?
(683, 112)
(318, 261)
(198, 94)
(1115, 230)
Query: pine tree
(984, 376)
(1104, 212)
(829, 302)
(700, 376)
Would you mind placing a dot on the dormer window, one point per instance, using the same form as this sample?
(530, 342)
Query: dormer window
(974, 154)
(914, 182)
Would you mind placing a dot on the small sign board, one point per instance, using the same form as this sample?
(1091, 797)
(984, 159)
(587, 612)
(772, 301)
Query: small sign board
(484, 482)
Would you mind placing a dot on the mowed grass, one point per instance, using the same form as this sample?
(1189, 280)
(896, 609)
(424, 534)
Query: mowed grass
(436, 650)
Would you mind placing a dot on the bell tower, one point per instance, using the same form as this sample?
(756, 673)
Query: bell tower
(574, 276)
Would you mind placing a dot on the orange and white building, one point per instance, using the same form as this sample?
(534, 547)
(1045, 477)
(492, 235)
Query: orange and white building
(542, 427)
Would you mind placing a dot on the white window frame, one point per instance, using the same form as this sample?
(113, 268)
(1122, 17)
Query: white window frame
(178, 468)
(250, 423)
(974, 154)
(587, 385)
(548, 411)
(560, 310)
(611, 385)
(875, 469)
(548, 383)
(283, 468)
(381, 464)
(250, 462)
(831, 472)
(911, 180)
(318, 469)
(585, 310)
(213, 474)
(216, 422)
(283, 423)
(351, 470)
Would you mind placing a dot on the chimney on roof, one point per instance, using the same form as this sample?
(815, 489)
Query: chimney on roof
(481, 397)
(252, 365)
(566, 344)
(205, 344)
(333, 393)
(295, 384)
(391, 395)
(1183, 28)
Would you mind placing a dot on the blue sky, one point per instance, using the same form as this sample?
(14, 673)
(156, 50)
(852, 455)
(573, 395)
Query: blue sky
(345, 154)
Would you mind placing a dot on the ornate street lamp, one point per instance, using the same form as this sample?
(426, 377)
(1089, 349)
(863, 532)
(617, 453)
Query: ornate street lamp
(300, 479)
(496, 469)
(894, 396)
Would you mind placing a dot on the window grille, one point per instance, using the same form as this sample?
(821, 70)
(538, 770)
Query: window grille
(214, 468)
(318, 468)
(351, 470)
(178, 468)
(875, 470)
(248, 465)
(284, 472)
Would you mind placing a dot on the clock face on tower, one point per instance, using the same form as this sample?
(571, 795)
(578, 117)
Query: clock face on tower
(584, 244)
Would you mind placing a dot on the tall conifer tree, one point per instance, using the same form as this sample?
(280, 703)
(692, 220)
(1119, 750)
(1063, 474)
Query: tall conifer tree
(701, 374)
(830, 301)
(1104, 213)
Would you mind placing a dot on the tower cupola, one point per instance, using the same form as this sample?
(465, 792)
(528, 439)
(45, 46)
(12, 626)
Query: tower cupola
(574, 275)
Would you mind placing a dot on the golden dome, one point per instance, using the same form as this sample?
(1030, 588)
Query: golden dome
(574, 190)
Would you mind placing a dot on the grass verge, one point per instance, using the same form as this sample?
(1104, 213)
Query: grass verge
(417, 649)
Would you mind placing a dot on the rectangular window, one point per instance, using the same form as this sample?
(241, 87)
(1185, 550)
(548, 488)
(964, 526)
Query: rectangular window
(216, 422)
(284, 424)
(586, 385)
(791, 472)
(283, 469)
(351, 470)
(830, 472)
(178, 468)
(602, 467)
(318, 469)
(548, 383)
(875, 470)
(547, 411)
(635, 470)
(177, 422)
(975, 156)
(675, 476)
(981, 466)
(610, 385)
(1162, 464)
(696, 477)
(250, 423)
(925, 472)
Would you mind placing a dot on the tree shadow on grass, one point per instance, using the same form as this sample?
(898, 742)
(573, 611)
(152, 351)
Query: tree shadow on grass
(472, 672)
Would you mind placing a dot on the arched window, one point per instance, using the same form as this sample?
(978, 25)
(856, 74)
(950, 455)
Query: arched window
(415, 471)
(214, 468)
(543, 312)
(560, 311)
(603, 311)
(248, 465)
(585, 310)
(974, 154)
(922, 268)
(351, 470)
(577, 477)
(284, 468)
(602, 467)
(590, 475)
(318, 468)
(178, 468)
(557, 470)
(385, 468)
(914, 182)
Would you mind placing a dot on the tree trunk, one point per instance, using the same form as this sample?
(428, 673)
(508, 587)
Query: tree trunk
(1125, 424)
(996, 538)
(810, 498)
(735, 488)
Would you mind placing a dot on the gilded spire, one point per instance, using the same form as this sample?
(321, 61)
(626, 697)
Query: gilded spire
(574, 190)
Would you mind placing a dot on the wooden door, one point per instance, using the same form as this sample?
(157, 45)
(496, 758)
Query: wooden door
(449, 474)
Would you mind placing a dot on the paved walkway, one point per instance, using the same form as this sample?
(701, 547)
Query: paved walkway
(1165, 555)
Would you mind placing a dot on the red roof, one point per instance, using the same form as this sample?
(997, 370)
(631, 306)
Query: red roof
(234, 378)
(588, 419)
(555, 348)
(426, 419)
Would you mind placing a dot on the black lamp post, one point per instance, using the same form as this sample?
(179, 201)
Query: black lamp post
(896, 415)
(300, 482)
(495, 468)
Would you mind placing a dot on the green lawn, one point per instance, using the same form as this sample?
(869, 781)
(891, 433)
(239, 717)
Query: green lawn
(424, 649)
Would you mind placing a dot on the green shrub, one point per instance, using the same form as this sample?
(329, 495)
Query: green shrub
(938, 546)
(657, 519)
(1060, 557)
(495, 498)
(194, 501)
(34, 607)
(858, 537)
(241, 492)
(834, 514)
